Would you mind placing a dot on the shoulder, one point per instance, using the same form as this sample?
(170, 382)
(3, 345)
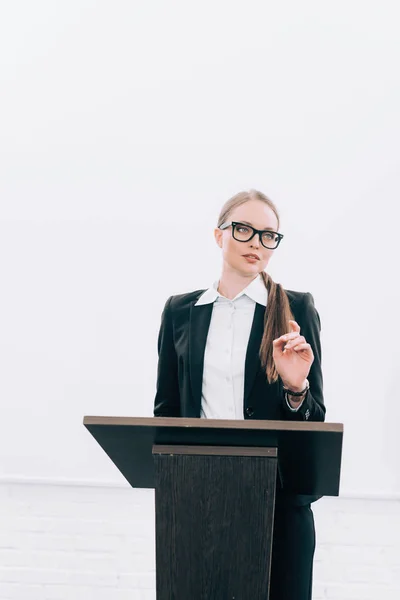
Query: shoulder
(298, 298)
(302, 305)
(179, 301)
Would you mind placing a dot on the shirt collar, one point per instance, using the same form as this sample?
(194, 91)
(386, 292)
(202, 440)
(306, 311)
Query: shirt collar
(256, 290)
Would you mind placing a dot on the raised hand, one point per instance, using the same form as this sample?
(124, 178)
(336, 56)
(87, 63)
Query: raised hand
(293, 358)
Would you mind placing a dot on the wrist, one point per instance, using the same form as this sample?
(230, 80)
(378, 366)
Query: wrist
(295, 387)
(295, 401)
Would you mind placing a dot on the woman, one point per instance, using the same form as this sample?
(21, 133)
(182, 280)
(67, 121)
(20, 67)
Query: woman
(247, 348)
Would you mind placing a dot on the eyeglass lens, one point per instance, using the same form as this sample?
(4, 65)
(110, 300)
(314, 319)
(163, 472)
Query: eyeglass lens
(242, 233)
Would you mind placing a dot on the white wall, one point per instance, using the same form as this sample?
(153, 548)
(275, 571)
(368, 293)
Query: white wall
(123, 128)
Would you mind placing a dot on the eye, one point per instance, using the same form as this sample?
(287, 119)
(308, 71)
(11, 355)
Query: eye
(242, 229)
(268, 236)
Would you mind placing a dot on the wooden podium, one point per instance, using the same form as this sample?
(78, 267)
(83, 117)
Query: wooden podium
(215, 483)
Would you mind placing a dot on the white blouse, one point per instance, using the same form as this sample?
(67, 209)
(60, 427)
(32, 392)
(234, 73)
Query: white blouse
(226, 347)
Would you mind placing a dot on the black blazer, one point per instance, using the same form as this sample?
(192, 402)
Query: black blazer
(181, 346)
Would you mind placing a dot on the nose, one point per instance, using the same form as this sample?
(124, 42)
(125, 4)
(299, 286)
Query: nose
(255, 242)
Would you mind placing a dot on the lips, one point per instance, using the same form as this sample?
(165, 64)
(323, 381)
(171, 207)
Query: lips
(255, 256)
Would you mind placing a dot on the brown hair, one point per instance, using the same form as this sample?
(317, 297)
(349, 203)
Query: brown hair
(277, 312)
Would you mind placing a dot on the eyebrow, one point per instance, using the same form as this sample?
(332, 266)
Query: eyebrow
(251, 225)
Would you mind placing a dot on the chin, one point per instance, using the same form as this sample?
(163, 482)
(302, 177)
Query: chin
(250, 269)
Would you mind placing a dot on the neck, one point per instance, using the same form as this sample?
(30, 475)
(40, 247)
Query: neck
(231, 283)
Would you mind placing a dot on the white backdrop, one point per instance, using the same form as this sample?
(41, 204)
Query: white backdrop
(124, 126)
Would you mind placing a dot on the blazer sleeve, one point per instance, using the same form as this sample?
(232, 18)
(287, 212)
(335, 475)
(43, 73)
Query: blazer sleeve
(167, 401)
(313, 407)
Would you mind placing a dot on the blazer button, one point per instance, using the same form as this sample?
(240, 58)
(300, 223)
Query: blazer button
(249, 411)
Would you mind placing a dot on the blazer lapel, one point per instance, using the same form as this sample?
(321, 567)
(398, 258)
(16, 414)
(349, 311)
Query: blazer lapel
(252, 364)
(200, 317)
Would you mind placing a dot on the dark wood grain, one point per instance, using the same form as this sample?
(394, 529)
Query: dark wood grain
(214, 519)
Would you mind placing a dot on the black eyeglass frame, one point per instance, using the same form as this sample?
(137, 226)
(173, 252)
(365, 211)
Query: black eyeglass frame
(255, 231)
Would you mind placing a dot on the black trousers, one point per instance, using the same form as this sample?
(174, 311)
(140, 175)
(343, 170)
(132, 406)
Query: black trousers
(293, 549)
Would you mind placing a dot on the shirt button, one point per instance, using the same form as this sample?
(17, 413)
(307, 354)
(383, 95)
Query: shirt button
(249, 411)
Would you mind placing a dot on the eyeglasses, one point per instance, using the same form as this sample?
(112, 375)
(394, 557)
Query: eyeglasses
(245, 233)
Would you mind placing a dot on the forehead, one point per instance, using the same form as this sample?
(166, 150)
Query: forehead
(256, 213)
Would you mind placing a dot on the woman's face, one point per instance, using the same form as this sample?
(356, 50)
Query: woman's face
(237, 255)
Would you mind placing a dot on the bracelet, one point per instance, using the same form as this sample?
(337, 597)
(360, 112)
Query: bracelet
(297, 393)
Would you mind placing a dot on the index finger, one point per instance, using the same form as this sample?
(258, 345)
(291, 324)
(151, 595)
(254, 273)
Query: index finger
(294, 326)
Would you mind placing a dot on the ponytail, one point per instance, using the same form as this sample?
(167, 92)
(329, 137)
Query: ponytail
(276, 323)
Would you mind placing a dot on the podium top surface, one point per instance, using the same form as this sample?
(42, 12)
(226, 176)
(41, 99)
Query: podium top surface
(309, 453)
(249, 424)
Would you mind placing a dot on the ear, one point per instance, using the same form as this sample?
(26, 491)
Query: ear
(218, 236)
